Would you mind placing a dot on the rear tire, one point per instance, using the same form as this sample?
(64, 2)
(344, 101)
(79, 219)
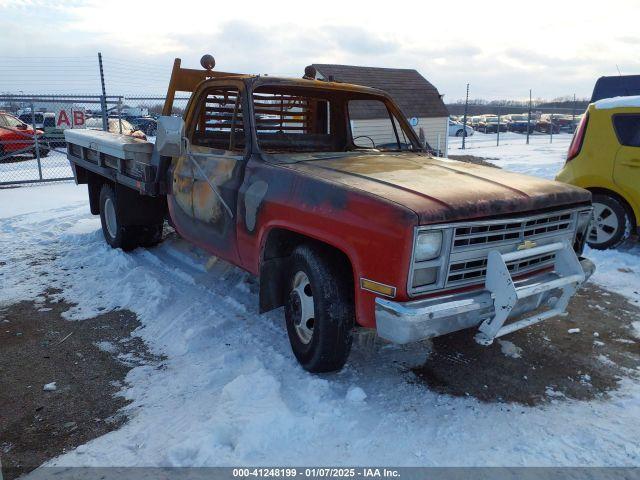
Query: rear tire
(116, 234)
(460, 133)
(611, 223)
(319, 309)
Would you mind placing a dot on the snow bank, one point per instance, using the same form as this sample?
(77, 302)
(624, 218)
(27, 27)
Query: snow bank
(618, 102)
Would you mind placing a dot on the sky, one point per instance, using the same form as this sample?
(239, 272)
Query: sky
(502, 49)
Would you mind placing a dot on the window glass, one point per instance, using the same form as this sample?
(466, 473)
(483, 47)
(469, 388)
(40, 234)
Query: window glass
(12, 121)
(220, 120)
(3, 121)
(372, 126)
(627, 129)
(294, 122)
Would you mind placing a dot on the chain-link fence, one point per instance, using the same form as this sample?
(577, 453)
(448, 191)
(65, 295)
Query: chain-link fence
(512, 126)
(504, 122)
(32, 146)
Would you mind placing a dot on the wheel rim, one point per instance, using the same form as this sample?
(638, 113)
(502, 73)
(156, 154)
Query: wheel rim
(110, 217)
(605, 224)
(303, 307)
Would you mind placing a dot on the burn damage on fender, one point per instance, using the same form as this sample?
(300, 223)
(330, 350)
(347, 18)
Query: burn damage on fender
(252, 200)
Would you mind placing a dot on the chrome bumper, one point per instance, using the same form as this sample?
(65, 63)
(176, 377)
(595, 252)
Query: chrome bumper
(502, 299)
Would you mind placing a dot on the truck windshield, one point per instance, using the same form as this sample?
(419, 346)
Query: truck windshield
(298, 119)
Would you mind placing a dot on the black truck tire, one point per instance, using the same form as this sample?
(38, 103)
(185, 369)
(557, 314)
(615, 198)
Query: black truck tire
(116, 234)
(611, 224)
(319, 309)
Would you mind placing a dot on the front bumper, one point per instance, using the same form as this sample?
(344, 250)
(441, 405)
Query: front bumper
(427, 318)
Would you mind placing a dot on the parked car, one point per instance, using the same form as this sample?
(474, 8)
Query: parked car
(565, 123)
(115, 126)
(474, 121)
(146, 124)
(457, 129)
(29, 118)
(491, 124)
(604, 157)
(546, 126)
(519, 123)
(46, 121)
(16, 137)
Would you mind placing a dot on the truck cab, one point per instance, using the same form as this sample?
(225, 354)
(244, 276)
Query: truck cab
(344, 231)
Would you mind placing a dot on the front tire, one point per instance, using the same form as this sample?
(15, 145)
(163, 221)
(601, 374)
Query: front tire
(460, 133)
(319, 309)
(611, 223)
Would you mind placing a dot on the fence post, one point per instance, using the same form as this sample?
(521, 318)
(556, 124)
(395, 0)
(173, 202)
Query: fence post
(464, 119)
(35, 139)
(498, 137)
(529, 118)
(119, 113)
(103, 98)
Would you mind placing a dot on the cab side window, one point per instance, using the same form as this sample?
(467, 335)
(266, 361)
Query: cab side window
(627, 129)
(220, 123)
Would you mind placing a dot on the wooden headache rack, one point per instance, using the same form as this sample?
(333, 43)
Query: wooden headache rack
(186, 79)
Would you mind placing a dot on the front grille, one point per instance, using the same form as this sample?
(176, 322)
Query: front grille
(466, 247)
(470, 236)
(476, 270)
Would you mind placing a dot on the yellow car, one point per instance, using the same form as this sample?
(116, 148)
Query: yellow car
(604, 157)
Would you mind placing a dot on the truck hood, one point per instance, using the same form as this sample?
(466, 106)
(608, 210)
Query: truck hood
(443, 190)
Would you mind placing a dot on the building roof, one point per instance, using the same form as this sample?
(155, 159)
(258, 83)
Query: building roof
(413, 93)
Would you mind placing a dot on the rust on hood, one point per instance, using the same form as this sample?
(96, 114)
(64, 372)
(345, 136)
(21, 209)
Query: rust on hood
(442, 190)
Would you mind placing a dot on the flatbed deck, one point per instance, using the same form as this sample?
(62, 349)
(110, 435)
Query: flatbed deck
(124, 159)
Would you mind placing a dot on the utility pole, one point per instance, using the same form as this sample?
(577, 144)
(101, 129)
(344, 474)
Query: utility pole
(464, 119)
(573, 117)
(529, 118)
(103, 99)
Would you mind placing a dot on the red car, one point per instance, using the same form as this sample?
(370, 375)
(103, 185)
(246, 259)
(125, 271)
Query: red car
(17, 137)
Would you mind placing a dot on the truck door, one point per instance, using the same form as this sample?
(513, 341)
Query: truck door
(626, 173)
(203, 203)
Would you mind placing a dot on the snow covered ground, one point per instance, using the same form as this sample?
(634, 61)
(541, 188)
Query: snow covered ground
(231, 392)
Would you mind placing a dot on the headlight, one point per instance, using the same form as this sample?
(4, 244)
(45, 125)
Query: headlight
(428, 245)
(424, 276)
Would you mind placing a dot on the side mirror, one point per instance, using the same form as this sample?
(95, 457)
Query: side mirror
(22, 126)
(169, 136)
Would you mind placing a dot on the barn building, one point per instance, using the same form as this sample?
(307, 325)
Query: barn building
(418, 99)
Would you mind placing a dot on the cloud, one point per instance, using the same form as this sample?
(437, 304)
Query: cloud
(551, 55)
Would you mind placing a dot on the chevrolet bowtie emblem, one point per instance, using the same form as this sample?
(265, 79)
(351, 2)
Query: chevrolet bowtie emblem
(527, 244)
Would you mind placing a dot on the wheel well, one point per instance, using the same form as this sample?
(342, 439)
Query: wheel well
(278, 247)
(94, 185)
(620, 198)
